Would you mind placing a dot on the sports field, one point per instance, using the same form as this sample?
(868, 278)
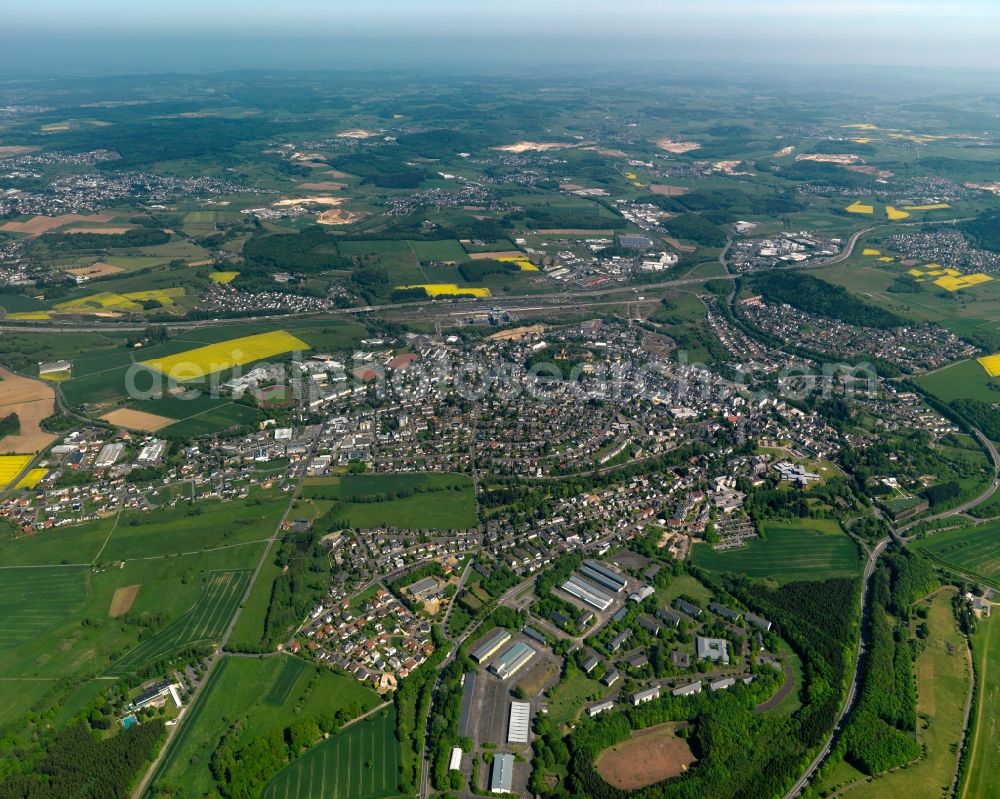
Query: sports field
(362, 762)
(808, 549)
(984, 754)
(197, 363)
(647, 757)
(973, 549)
(206, 621)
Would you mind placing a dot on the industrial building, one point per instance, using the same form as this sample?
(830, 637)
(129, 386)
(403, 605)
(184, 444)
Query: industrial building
(727, 613)
(502, 775)
(759, 621)
(586, 593)
(486, 648)
(602, 575)
(692, 610)
(600, 707)
(455, 762)
(511, 661)
(109, 455)
(520, 722)
(688, 690)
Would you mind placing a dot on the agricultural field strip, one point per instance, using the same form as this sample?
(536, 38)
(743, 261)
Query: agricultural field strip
(203, 621)
(30, 616)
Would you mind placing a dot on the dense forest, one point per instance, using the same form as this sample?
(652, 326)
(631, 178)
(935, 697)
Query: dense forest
(816, 296)
(78, 764)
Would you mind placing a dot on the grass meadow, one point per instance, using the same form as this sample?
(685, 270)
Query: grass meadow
(790, 550)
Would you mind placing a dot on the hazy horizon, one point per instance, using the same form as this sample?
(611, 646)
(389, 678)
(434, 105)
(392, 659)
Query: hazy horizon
(114, 36)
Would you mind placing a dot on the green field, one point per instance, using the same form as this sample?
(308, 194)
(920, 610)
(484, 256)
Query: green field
(249, 630)
(415, 501)
(449, 250)
(188, 528)
(984, 755)
(205, 621)
(243, 689)
(362, 762)
(963, 380)
(35, 599)
(807, 549)
(972, 549)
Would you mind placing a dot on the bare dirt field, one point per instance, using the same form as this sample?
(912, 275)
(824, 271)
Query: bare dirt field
(539, 678)
(11, 151)
(32, 400)
(100, 269)
(107, 231)
(533, 146)
(677, 147)
(678, 246)
(338, 217)
(608, 152)
(517, 333)
(667, 191)
(137, 420)
(308, 201)
(357, 133)
(43, 224)
(122, 601)
(322, 186)
(648, 757)
(336, 173)
(487, 256)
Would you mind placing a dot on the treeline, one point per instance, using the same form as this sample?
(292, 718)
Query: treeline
(78, 763)
(305, 565)
(413, 704)
(984, 231)
(816, 296)
(140, 237)
(310, 251)
(475, 271)
(443, 729)
(10, 425)
(881, 732)
(980, 414)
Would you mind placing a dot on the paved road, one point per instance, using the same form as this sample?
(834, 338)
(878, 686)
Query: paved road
(873, 557)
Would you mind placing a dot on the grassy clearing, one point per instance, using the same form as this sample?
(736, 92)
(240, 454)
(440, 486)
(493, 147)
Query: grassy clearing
(569, 697)
(807, 549)
(963, 380)
(362, 762)
(34, 600)
(249, 630)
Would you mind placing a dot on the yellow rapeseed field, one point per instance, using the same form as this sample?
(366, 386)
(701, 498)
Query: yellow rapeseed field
(991, 363)
(447, 289)
(102, 301)
(32, 478)
(223, 277)
(952, 283)
(11, 466)
(928, 207)
(162, 296)
(197, 363)
(30, 316)
(860, 208)
(871, 251)
(523, 263)
(894, 214)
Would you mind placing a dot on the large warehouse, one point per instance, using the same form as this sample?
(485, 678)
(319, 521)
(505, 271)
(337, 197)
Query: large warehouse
(520, 721)
(511, 661)
(489, 645)
(502, 776)
(574, 586)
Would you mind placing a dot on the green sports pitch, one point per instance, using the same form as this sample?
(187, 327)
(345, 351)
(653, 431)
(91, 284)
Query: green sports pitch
(807, 549)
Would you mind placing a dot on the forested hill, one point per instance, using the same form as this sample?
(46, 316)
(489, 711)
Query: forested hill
(816, 296)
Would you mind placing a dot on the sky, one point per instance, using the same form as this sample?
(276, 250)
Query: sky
(149, 35)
